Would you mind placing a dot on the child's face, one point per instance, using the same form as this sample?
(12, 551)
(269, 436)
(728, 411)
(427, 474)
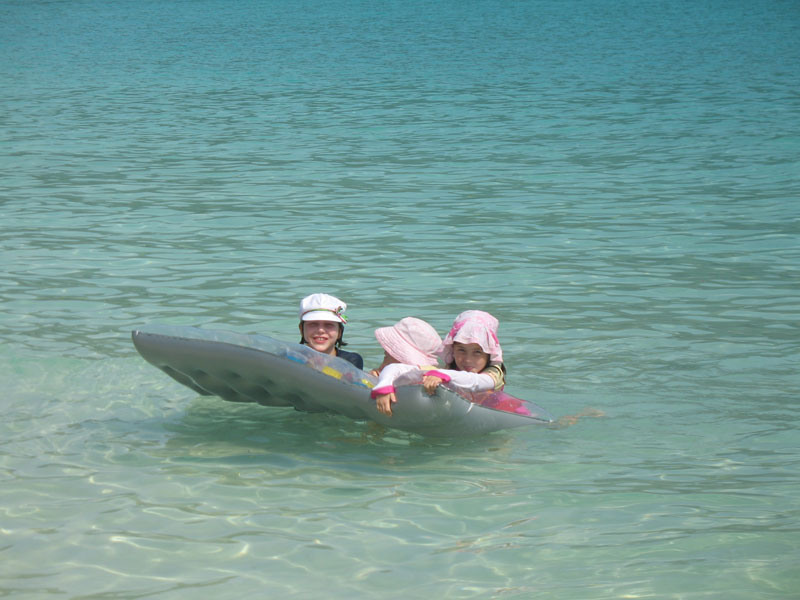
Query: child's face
(469, 357)
(321, 335)
(388, 359)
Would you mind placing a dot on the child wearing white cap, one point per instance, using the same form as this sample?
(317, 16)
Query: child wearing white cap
(322, 322)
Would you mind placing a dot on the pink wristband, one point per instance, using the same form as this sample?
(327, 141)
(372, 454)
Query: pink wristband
(387, 389)
(443, 376)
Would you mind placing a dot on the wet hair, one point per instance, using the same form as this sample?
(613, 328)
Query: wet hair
(339, 342)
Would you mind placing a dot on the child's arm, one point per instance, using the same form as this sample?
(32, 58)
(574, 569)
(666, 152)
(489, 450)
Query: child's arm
(383, 392)
(490, 379)
(392, 372)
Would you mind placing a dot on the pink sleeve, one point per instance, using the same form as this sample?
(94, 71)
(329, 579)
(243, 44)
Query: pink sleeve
(443, 376)
(386, 389)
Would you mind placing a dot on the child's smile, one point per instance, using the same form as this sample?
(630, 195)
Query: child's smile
(470, 357)
(321, 335)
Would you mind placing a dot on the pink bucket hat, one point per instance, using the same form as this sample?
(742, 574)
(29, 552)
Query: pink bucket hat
(412, 341)
(474, 327)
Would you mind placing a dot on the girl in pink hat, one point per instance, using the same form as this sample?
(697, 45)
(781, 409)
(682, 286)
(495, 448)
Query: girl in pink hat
(472, 355)
(474, 361)
(410, 344)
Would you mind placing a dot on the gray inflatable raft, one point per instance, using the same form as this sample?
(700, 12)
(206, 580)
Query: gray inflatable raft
(260, 369)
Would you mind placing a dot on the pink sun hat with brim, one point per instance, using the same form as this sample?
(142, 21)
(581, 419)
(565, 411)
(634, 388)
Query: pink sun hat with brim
(411, 341)
(322, 307)
(474, 327)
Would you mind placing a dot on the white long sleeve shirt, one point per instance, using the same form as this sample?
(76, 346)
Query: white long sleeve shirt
(490, 379)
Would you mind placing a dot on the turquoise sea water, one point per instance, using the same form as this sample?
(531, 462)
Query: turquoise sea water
(616, 181)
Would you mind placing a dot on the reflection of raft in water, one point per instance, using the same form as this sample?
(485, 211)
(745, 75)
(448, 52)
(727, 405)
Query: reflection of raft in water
(260, 369)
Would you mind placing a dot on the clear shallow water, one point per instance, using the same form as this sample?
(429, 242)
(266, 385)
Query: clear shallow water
(616, 182)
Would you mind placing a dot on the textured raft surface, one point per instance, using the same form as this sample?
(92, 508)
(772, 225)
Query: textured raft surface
(258, 368)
